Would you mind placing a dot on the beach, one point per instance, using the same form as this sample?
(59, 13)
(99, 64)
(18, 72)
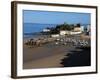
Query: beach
(45, 56)
(49, 55)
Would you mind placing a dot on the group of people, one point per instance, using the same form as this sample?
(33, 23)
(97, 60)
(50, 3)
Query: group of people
(39, 41)
(73, 41)
(62, 41)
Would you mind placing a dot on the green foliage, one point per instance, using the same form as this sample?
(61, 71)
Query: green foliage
(64, 26)
(78, 25)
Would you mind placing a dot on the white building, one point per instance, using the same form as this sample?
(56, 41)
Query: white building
(63, 32)
(55, 35)
(82, 28)
(46, 30)
(85, 28)
(88, 28)
(75, 31)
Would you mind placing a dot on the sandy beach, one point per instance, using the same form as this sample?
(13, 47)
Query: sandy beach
(46, 56)
(50, 55)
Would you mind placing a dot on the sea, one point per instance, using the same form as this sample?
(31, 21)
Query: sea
(33, 29)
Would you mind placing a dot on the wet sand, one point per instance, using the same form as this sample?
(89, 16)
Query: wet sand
(45, 56)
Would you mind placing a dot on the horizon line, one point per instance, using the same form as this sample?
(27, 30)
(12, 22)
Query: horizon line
(52, 23)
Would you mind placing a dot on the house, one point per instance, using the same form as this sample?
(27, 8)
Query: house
(88, 28)
(55, 35)
(63, 32)
(77, 29)
(75, 32)
(82, 28)
(46, 30)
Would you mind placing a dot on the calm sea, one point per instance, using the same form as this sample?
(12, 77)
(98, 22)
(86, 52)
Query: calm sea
(31, 28)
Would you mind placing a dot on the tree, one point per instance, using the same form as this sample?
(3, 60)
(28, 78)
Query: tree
(78, 25)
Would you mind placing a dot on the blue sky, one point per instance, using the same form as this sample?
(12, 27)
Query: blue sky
(49, 17)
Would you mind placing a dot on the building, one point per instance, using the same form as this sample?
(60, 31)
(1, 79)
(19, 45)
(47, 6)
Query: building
(77, 29)
(88, 28)
(75, 32)
(82, 28)
(46, 30)
(55, 35)
(63, 32)
(88, 31)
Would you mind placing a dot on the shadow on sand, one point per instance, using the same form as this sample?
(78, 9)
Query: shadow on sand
(78, 58)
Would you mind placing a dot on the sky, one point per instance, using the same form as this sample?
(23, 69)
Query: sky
(51, 17)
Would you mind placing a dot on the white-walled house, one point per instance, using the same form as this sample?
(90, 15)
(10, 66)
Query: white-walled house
(88, 28)
(55, 35)
(63, 32)
(46, 30)
(85, 28)
(82, 28)
(75, 31)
